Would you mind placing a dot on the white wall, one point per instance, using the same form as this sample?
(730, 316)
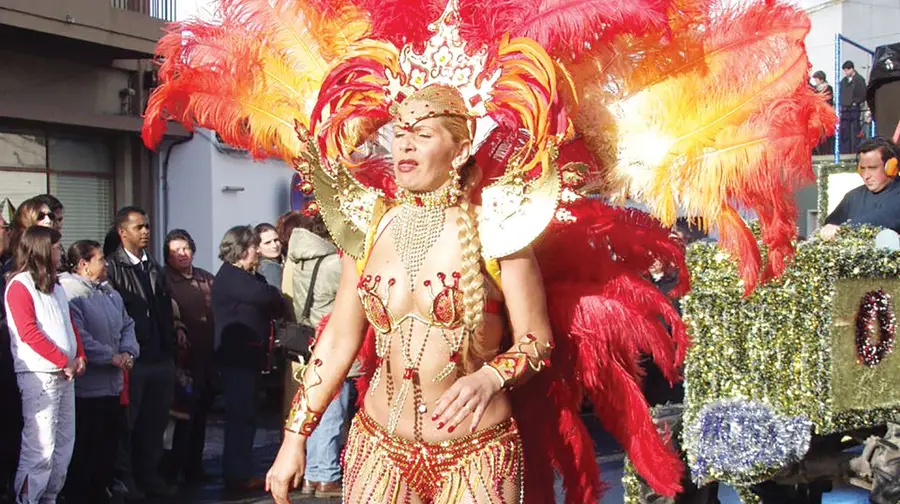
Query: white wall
(266, 193)
(202, 9)
(190, 196)
(805, 4)
(198, 171)
(870, 23)
(826, 22)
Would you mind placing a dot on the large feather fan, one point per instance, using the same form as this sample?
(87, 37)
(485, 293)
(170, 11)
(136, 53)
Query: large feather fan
(252, 74)
(706, 136)
(564, 28)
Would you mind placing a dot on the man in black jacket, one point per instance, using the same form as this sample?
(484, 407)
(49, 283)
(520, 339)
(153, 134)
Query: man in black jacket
(877, 201)
(853, 95)
(144, 288)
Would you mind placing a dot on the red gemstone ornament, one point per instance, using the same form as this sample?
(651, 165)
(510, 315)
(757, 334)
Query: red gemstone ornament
(875, 309)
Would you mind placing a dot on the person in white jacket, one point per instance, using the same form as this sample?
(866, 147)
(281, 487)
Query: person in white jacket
(47, 356)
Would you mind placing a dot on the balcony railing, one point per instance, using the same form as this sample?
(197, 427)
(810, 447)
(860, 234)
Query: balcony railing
(159, 9)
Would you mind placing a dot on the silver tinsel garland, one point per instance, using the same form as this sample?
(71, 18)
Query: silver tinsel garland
(738, 437)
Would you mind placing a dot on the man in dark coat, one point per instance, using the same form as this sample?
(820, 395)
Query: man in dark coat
(877, 201)
(142, 283)
(853, 95)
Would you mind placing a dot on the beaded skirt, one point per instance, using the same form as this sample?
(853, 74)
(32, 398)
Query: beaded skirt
(484, 467)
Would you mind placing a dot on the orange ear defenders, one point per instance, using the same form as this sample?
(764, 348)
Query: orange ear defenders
(891, 166)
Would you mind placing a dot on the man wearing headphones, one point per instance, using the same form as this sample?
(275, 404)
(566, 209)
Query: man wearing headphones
(877, 202)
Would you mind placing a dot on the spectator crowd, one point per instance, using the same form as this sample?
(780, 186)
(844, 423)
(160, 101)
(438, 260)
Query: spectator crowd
(855, 125)
(111, 362)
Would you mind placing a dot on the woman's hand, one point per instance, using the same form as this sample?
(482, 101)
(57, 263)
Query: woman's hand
(123, 361)
(80, 366)
(74, 368)
(287, 471)
(69, 371)
(470, 395)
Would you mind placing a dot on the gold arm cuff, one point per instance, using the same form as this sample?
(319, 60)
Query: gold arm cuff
(302, 418)
(527, 358)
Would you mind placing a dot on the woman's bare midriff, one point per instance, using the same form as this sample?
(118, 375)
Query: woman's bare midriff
(442, 259)
(433, 361)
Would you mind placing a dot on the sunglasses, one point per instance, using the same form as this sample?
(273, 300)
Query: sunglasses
(44, 215)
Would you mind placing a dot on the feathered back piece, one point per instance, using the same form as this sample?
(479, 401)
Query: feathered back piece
(716, 118)
(688, 106)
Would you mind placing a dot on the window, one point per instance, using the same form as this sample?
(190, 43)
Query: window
(76, 169)
(23, 150)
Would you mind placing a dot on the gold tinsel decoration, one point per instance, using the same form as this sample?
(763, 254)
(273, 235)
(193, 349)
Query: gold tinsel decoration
(790, 344)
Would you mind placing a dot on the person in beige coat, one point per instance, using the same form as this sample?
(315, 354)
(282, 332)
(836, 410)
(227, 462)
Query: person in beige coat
(308, 245)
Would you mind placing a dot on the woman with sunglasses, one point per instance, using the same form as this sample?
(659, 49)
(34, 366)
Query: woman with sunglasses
(32, 212)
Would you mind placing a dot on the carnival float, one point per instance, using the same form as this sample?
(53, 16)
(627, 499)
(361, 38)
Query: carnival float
(806, 357)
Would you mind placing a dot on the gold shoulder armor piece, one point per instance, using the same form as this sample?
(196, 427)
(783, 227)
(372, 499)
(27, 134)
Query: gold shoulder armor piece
(514, 211)
(346, 205)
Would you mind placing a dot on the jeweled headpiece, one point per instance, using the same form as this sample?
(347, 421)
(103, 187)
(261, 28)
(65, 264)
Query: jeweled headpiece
(436, 100)
(444, 62)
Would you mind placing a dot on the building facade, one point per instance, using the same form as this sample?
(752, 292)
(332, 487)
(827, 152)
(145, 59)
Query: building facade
(75, 78)
(210, 187)
(870, 23)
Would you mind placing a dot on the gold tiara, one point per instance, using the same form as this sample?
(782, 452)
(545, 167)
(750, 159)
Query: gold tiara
(443, 63)
(433, 101)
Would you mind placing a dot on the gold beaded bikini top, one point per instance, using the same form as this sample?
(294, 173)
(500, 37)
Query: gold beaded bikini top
(446, 310)
(445, 313)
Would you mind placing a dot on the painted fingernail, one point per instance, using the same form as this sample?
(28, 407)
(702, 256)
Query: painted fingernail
(450, 429)
(441, 426)
(434, 418)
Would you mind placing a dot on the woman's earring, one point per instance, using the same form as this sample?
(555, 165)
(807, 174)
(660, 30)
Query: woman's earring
(456, 184)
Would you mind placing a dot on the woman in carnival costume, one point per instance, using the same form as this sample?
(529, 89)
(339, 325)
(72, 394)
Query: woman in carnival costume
(450, 147)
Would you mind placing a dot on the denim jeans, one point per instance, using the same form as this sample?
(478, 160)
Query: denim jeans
(48, 406)
(323, 448)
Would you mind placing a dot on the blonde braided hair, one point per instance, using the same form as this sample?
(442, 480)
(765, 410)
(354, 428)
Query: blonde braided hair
(471, 281)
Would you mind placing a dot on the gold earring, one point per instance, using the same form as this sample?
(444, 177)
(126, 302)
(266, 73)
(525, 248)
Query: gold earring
(456, 185)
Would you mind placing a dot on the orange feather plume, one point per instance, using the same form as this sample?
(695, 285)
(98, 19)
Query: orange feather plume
(251, 76)
(697, 134)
